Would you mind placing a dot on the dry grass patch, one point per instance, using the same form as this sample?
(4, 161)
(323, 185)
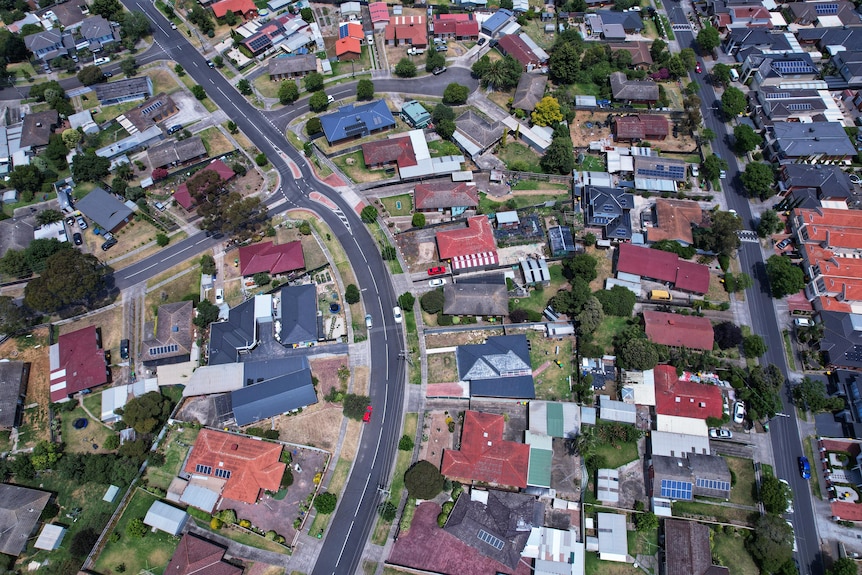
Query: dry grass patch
(215, 142)
(174, 291)
(501, 98)
(716, 292)
(173, 271)
(436, 340)
(604, 267)
(163, 81)
(33, 350)
(442, 368)
(317, 426)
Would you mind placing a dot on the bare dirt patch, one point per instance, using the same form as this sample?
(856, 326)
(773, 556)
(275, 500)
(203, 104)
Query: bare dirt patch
(33, 350)
(459, 338)
(438, 437)
(326, 372)
(442, 368)
(604, 268)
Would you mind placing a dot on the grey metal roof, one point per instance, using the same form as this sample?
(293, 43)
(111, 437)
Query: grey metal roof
(96, 27)
(104, 209)
(20, 508)
(500, 367)
(13, 384)
(273, 387)
(535, 270)
(238, 332)
(166, 518)
(200, 497)
(695, 465)
(561, 240)
(613, 410)
(130, 88)
(486, 298)
(796, 140)
(635, 90)
(298, 311)
(176, 152)
(612, 534)
(499, 19)
(293, 64)
(44, 39)
(678, 444)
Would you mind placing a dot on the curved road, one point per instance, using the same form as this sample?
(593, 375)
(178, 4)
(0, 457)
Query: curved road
(784, 431)
(356, 513)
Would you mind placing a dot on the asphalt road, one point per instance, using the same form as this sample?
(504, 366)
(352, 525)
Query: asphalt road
(786, 443)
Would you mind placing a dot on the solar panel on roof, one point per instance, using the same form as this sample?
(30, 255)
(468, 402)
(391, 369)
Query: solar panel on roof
(259, 43)
(778, 96)
(797, 107)
(152, 107)
(354, 129)
(822, 9)
(494, 542)
(792, 67)
(713, 484)
(676, 489)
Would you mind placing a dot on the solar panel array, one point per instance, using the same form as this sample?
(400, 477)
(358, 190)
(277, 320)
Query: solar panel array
(823, 8)
(205, 469)
(799, 106)
(494, 542)
(661, 171)
(713, 484)
(223, 473)
(260, 43)
(675, 489)
(854, 355)
(164, 349)
(778, 96)
(152, 107)
(792, 67)
(355, 129)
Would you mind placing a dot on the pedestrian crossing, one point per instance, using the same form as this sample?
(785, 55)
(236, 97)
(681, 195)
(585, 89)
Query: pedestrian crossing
(681, 27)
(747, 236)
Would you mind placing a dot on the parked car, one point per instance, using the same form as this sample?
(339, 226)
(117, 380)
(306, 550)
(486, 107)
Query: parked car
(437, 282)
(219, 295)
(783, 243)
(82, 223)
(173, 26)
(437, 270)
(368, 321)
(738, 412)
(396, 313)
(481, 42)
(439, 70)
(107, 74)
(366, 417)
(803, 322)
(789, 496)
(70, 221)
(76, 237)
(109, 244)
(174, 129)
(442, 48)
(720, 433)
(804, 468)
(698, 69)
(124, 349)
(855, 179)
(160, 206)
(210, 63)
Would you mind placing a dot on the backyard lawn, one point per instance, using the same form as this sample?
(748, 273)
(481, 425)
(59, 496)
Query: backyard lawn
(538, 299)
(552, 383)
(353, 166)
(699, 510)
(520, 158)
(595, 566)
(615, 456)
(604, 334)
(442, 367)
(592, 164)
(215, 142)
(83, 440)
(398, 205)
(743, 492)
(729, 550)
(176, 446)
(443, 148)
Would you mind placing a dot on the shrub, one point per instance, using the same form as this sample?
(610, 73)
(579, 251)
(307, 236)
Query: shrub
(245, 523)
(261, 160)
(423, 480)
(369, 214)
(406, 301)
(387, 511)
(432, 302)
(313, 126)
(112, 442)
(305, 228)
(136, 528)
(418, 220)
(215, 523)
(325, 503)
(162, 240)
(405, 443)
(352, 294)
(228, 515)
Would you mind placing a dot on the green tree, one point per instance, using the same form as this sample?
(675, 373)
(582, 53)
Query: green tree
(369, 214)
(617, 301)
(162, 240)
(365, 89)
(207, 263)
(784, 277)
(261, 278)
(418, 220)
(753, 346)
(244, 87)
(232, 127)
(261, 159)
(658, 51)
(774, 495)
(352, 294)
(843, 566)
(56, 152)
(145, 414)
(770, 544)
(646, 521)
(354, 406)
(90, 75)
(769, 224)
(307, 14)
(136, 528)
(71, 138)
(712, 167)
(423, 480)
(325, 503)
(455, 94)
(434, 59)
(570, 302)
(26, 178)
(689, 58)
(559, 158)
(112, 442)
(45, 455)
(727, 335)
(637, 353)
(313, 126)
(547, 112)
(49, 216)
(405, 443)
(676, 66)
(407, 300)
(565, 63)
(318, 101)
(14, 319)
(591, 317)
(708, 39)
(445, 128)
(180, 71)
(207, 314)
(135, 25)
(83, 541)
(758, 180)
(733, 102)
(200, 17)
(582, 266)
(811, 395)
(199, 92)
(218, 61)
(721, 237)
(313, 82)
(405, 68)
(432, 301)
(70, 278)
(745, 139)
(387, 511)
(721, 74)
(108, 9)
(707, 134)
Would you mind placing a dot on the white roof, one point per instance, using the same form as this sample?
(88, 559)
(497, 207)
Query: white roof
(534, 47)
(510, 28)
(113, 398)
(200, 497)
(613, 542)
(425, 164)
(608, 485)
(527, 134)
(677, 444)
(602, 179)
(51, 537)
(350, 7)
(613, 410)
(676, 424)
(655, 185)
(56, 230)
(509, 217)
(166, 518)
(214, 379)
(466, 144)
(111, 493)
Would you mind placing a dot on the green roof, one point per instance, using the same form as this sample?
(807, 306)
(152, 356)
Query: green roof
(539, 474)
(555, 419)
(416, 112)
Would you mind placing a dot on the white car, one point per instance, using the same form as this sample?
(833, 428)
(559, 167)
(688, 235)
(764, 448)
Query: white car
(738, 412)
(437, 282)
(219, 295)
(720, 434)
(789, 496)
(396, 313)
(368, 321)
(330, 99)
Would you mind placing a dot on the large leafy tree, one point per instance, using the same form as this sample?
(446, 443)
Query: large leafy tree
(89, 167)
(843, 566)
(582, 266)
(753, 346)
(108, 9)
(26, 178)
(318, 101)
(637, 353)
(617, 301)
(770, 544)
(434, 59)
(559, 158)
(727, 334)
(405, 68)
(500, 74)
(145, 414)
(811, 394)
(769, 224)
(745, 139)
(708, 39)
(547, 112)
(455, 94)
(712, 167)
(135, 26)
(758, 180)
(774, 495)
(423, 480)
(32, 259)
(590, 317)
(721, 74)
(720, 237)
(325, 502)
(14, 319)
(733, 101)
(288, 92)
(565, 63)
(365, 89)
(70, 278)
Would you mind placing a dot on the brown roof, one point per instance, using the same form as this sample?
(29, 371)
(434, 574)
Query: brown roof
(293, 64)
(144, 114)
(639, 51)
(390, 150)
(69, 13)
(38, 128)
(531, 88)
(445, 195)
(690, 552)
(409, 28)
(512, 45)
(674, 220)
(174, 332)
(675, 330)
(640, 126)
(634, 90)
(197, 556)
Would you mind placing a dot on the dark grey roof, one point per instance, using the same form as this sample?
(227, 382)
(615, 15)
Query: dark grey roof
(628, 20)
(842, 339)
(20, 509)
(176, 152)
(609, 209)
(38, 127)
(298, 314)
(172, 341)
(70, 13)
(13, 386)
(480, 129)
(273, 387)
(104, 209)
(44, 39)
(808, 13)
(828, 181)
(757, 37)
(561, 240)
(487, 297)
(690, 468)
(633, 90)
(798, 140)
(849, 38)
(293, 64)
(498, 530)
(137, 87)
(238, 332)
(500, 367)
(531, 89)
(95, 27)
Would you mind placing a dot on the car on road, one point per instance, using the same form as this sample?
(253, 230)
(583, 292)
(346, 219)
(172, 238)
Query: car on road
(722, 174)
(82, 223)
(439, 70)
(437, 270)
(720, 433)
(173, 26)
(329, 99)
(789, 508)
(396, 313)
(481, 42)
(76, 237)
(109, 244)
(368, 321)
(366, 417)
(219, 296)
(804, 468)
(738, 412)
(437, 282)
(783, 243)
(210, 63)
(107, 74)
(698, 69)
(855, 179)
(124, 349)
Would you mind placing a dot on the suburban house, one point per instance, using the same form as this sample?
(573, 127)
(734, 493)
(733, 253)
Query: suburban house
(105, 209)
(640, 127)
(834, 13)
(747, 17)
(685, 398)
(49, 44)
(280, 386)
(195, 555)
(849, 65)
(174, 334)
(150, 136)
(295, 316)
(675, 330)
(469, 247)
(484, 455)
(496, 523)
(77, 362)
(355, 121)
(457, 26)
(485, 296)
(396, 150)
(20, 509)
(612, 537)
(37, 129)
(740, 42)
(406, 30)
(152, 111)
(633, 91)
(683, 478)
(245, 9)
(788, 71)
(778, 104)
(500, 367)
(815, 186)
(841, 344)
(664, 267)
(608, 209)
(415, 114)
(248, 466)
(348, 48)
(174, 153)
(379, 14)
(183, 196)
(531, 89)
(288, 67)
(98, 33)
(166, 518)
(498, 20)
(690, 552)
(598, 21)
(674, 220)
(516, 46)
(641, 57)
(267, 257)
(475, 134)
(453, 198)
(70, 15)
(137, 88)
(13, 389)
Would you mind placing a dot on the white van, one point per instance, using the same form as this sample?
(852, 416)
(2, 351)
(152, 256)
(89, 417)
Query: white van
(803, 322)
(734, 75)
(100, 61)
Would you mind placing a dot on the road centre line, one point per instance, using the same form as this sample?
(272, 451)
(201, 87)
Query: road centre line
(346, 539)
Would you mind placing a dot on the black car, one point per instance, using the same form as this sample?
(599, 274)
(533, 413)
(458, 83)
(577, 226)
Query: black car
(174, 129)
(481, 41)
(124, 349)
(210, 63)
(109, 244)
(108, 74)
(76, 237)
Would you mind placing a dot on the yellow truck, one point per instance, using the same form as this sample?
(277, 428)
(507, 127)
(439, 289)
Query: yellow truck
(659, 295)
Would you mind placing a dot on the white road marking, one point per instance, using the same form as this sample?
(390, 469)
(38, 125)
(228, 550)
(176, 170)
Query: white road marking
(346, 539)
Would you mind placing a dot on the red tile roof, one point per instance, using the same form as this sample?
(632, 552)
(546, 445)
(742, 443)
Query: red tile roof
(835, 228)
(398, 150)
(197, 556)
(460, 29)
(512, 45)
(476, 238)
(80, 363)
(641, 126)
(354, 30)
(270, 258)
(254, 465)
(847, 511)
(461, 17)
(182, 195)
(678, 330)
(663, 266)
(444, 195)
(379, 11)
(348, 45)
(484, 455)
(236, 6)
(674, 396)
(409, 28)
(798, 302)
(674, 220)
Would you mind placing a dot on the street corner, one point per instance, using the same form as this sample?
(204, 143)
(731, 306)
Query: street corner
(294, 169)
(321, 199)
(334, 181)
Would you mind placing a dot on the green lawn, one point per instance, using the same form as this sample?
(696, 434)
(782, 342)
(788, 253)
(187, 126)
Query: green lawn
(535, 185)
(610, 326)
(743, 492)
(82, 440)
(136, 552)
(642, 543)
(592, 164)
(595, 566)
(392, 205)
(488, 206)
(586, 89)
(356, 170)
(443, 148)
(619, 455)
(729, 550)
(415, 373)
(519, 157)
(383, 241)
(402, 462)
(553, 383)
(175, 447)
(538, 299)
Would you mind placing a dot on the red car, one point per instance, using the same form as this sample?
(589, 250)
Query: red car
(436, 271)
(698, 69)
(366, 417)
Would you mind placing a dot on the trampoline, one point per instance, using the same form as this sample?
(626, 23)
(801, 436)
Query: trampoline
(334, 308)
(80, 423)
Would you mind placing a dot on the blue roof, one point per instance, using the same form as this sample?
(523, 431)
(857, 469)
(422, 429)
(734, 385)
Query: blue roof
(273, 387)
(356, 120)
(497, 21)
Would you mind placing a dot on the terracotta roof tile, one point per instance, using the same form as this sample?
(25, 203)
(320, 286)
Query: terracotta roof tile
(663, 266)
(679, 330)
(236, 6)
(81, 364)
(676, 397)
(477, 237)
(399, 150)
(444, 195)
(197, 556)
(674, 220)
(270, 258)
(348, 45)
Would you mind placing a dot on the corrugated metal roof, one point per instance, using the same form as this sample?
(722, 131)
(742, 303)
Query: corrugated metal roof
(555, 419)
(199, 497)
(539, 471)
(166, 518)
